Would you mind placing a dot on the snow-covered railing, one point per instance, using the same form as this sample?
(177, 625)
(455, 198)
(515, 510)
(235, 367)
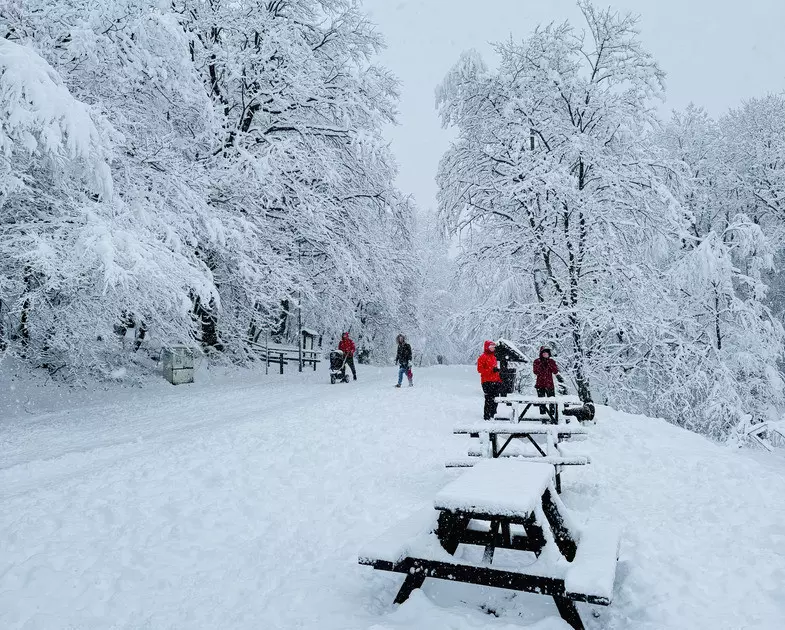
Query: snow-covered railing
(281, 355)
(766, 434)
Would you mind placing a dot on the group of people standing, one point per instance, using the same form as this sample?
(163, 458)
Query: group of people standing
(403, 357)
(491, 379)
(544, 368)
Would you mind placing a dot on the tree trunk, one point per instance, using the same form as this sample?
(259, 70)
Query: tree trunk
(581, 379)
(208, 324)
(280, 329)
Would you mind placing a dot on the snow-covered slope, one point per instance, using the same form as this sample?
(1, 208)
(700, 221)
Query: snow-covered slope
(241, 504)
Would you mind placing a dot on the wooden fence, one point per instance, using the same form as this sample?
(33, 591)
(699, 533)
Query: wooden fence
(283, 355)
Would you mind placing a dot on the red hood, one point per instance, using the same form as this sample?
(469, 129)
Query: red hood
(488, 345)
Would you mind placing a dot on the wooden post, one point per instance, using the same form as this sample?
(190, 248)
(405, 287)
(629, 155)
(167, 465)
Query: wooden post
(281, 359)
(267, 353)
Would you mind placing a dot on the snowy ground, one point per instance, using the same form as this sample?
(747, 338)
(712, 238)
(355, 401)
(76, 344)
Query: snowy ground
(241, 503)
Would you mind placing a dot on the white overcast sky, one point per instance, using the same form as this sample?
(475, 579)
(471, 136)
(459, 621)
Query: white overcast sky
(716, 53)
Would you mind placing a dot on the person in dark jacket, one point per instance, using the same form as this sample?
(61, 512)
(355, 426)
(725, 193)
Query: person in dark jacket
(403, 358)
(346, 345)
(544, 368)
(490, 379)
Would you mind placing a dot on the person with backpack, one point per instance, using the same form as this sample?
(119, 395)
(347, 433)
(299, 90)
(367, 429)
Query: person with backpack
(490, 379)
(347, 346)
(545, 368)
(403, 358)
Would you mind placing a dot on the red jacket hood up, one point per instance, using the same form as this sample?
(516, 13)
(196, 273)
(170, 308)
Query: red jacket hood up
(487, 364)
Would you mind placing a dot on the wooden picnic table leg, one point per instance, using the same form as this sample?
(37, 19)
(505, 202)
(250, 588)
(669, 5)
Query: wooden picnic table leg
(550, 443)
(412, 582)
(487, 556)
(537, 446)
(558, 478)
(534, 534)
(568, 612)
(494, 446)
(552, 411)
(504, 446)
(506, 534)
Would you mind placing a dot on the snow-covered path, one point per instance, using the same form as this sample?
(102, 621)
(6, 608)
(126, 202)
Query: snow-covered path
(242, 505)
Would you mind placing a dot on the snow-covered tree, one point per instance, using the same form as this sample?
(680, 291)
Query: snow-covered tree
(247, 158)
(552, 188)
(75, 253)
(720, 347)
(641, 252)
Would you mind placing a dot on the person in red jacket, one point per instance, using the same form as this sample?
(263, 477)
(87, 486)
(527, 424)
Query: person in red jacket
(544, 368)
(346, 345)
(491, 380)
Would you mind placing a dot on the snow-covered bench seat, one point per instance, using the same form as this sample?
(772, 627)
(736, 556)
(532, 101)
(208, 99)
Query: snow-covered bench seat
(559, 459)
(475, 456)
(478, 509)
(505, 427)
(593, 570)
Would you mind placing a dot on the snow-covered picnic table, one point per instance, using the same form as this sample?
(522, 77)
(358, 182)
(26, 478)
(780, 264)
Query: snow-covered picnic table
(550, 452)
(501, 504)
(553, 406)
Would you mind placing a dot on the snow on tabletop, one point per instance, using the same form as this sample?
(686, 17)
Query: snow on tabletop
(496, 486)
(396, 542)
(593, 570)
(534, 428)
(535, 458)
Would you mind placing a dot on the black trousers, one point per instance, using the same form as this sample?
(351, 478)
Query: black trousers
(350, 363)
(546, 392)
(491, 391)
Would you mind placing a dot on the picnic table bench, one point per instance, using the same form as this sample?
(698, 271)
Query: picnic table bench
(499, 430)
(501, 504)
(553, 406)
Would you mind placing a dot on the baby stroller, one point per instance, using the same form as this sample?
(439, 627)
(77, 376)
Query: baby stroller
(338, 367)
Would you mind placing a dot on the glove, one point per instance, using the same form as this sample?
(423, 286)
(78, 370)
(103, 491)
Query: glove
(495, 369)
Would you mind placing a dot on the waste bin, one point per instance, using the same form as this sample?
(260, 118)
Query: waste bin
(509, 375)
(178, 364)
(507, 353)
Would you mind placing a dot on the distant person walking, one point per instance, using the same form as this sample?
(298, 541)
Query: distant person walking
(403, 358)
(347, 346)
(490, 379)
(544, 368)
